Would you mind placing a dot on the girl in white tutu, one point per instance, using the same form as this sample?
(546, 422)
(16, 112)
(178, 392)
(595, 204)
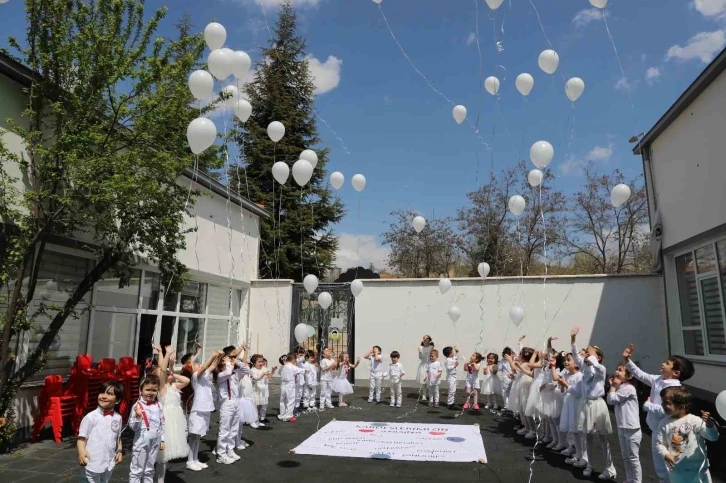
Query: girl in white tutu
(519, 392)
(246, 405)
(550, 403)
(593, 417)
(571, 384)
(536, 370)
(424, 350)
(471, 369)
(341, 385)
(260, 376)
(175, 429)
(491, 385)
(506, 375)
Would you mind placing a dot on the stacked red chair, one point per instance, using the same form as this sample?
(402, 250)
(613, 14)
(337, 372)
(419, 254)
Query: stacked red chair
(129, 372)
(55, 406)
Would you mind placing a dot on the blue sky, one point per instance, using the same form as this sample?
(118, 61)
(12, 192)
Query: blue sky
(401, 135)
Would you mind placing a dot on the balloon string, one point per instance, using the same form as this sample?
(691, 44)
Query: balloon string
(541, 26)
(228, 213)
(302, 270)
(622, 71)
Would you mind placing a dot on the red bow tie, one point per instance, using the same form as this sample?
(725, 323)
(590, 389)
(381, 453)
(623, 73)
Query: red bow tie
(151, 403)
(108, 413)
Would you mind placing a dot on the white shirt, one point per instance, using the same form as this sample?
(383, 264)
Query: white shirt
(203, 401)
(575, 382)
(657, 384)
(301, 363)
(151, 423)
(504, 370)
(451, 367)
(395, 371)
(593, 375)
(288, 373)
(433, 369)
(101, 433)
(625, 400)
(228, 383)
(326, 375)
(472, 373)
(376, 364)
(311, 378)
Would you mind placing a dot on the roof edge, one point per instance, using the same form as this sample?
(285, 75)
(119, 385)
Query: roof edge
(705, 79)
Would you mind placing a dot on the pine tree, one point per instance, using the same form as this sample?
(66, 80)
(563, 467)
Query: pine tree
(298, 239)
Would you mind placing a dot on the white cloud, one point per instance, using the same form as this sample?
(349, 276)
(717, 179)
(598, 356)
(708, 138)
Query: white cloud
(623, 84)
(652, 74)
(600, 153)
(574, 165)
(471, 38)
(703, 46)
(571, 166)
(585, 17)
(360, 251)
(326, 75)
(710, 8)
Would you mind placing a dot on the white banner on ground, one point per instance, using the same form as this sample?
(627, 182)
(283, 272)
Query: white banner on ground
(397, 441)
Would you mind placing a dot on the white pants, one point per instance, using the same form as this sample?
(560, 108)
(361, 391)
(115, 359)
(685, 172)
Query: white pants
(580, 446)
(434, 393)
(396, 393)
(299, 390)
(658, 462)
(146, 446)
(589, 451)
(326, 390)
(90, 477)
(287, 400)
(630, 449)
(262, 412)
(308, 398)
(375, 386)
(228, 426)
(451, 395)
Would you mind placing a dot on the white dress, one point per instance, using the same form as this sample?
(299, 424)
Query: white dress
(551, 399)
(491, 383)
(423, 357)
(341, 385)
(245, 403)
(175, 426)
(531, 407)
(571, 403)
(260, 387)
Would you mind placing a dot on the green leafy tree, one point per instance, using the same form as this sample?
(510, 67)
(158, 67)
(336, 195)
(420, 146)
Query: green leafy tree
(104, 138)
(298, 239)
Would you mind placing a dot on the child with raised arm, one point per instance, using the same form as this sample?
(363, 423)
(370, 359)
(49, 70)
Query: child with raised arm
(472, 381)
(327, 366)
(202, 407)
(376, 373)
(433, 377)
(311, 380)
(288, 376)
(147, 423)
(673, 372)
(395, 372)
(341, 385)
(623, 396)
(99, 438)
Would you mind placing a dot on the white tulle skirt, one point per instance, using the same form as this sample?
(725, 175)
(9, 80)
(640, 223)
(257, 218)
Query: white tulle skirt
(593, 417)
(568, 416)
(341, 385)
(247, 410)
(491, 384)
(175, 437)
(518, 393)
(550, 403)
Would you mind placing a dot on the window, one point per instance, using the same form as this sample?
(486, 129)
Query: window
(701, 276)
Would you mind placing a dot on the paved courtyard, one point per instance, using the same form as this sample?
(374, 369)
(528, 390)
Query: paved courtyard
(268, 459)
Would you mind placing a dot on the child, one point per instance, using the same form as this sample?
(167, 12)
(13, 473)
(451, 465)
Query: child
(260, 376)
(680, 437)
(623, 396)
(519, 391)
(537, 368)
(593, 418)
(99, 438)
(227, 376)
(673, 372)
(327, 365)
(452, 362)
(571, 384)
(424, 351)
(147, 423)
(433, 377)
(311, 381)
(188, 361)
(246, 407)
(300, 379)
(472, 380)
(341, 385)
(288, 375)
(396, 372)
(506, 375)
(491, 383)
(376, 373)
(550, 405)
(202, 407)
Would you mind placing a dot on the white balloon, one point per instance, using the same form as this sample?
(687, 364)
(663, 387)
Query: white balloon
(359, 182)
(535, 178)
(276, 131)
(494, 4)
(377, 1)
(454, 313)
(241, 64)
(310, 282)
(541, 154)
(311, 331)
(459, 113)
(517, 315)
(301, 333)
(516, 205)
(356, 287)
(548, 61)
(444, 285)
(231, 93)
(201, 84)
(337, 179)
(574, 88)
(280, 171)
(491, 84)
(219, 63)
(721, 404)
(215, 35)
(483, 269)
(620, 195)
(419, 223)
(310, 156)
(302, 171)
(325, 299)
(599, 3)
(524, 83)
(201, 134)
(243, 110)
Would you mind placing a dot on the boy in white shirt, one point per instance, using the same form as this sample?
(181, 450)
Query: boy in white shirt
(376, 373)
(301, 362)
(288, 375)
(99, 442)
(433, 377)
(147, 423)
(327, 366)
(311, 381)
(673, 372)
(623, 396)
(452, 362)
(396, 372)
(202, 407)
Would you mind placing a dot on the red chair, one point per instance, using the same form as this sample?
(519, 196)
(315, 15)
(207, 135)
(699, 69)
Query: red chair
(54, 407)
(129, 372)
(107, 366)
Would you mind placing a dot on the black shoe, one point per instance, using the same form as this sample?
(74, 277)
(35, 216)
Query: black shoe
(264, 420)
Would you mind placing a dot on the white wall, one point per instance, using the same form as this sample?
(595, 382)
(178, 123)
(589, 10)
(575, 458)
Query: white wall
(269, 318)
(689, 169)
(612, 311)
